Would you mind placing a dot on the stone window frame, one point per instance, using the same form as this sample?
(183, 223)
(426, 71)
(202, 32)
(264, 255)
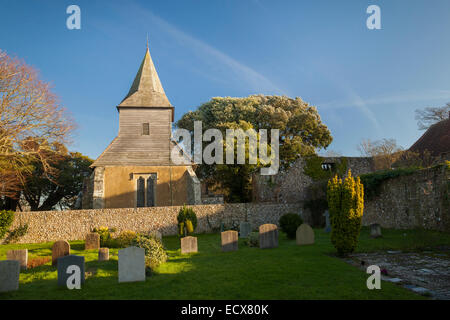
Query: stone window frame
(146, 176)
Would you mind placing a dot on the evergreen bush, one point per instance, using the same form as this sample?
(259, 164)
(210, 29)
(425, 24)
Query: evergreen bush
(6, 220)
(187, 221)
(346, 205)
(289, 223)
(154, 251)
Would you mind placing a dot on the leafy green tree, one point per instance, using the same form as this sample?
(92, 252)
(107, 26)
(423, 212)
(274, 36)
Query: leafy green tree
(43, 191)
(301, 133)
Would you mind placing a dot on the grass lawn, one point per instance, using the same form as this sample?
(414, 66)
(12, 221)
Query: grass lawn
(287, 272)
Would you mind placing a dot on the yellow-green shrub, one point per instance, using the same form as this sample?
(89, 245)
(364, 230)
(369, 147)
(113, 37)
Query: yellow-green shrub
(187, 221)
(189, 226)
(346, 205)
(125, 238)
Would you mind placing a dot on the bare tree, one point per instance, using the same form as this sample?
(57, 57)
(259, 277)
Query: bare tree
(431, 115)
(384, 152)
(33, 126)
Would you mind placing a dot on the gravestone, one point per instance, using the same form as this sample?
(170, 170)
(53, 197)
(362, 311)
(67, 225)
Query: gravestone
(103, 254)
(64, 272)
(375, 230)
(189, 244)
(132, 264)
(304, 235)
(9, 275)
(60, 248)
(327, 221)
(92, 241)
(229, 240)
(268, 236)
(244, 229)
(20, 255)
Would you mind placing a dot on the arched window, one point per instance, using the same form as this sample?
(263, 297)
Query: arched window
(140, 200)
(150, 192)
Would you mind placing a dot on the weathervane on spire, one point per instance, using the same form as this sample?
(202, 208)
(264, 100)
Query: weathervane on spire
(147, 41)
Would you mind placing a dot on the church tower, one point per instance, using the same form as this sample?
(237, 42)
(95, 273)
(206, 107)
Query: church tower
(136, 170)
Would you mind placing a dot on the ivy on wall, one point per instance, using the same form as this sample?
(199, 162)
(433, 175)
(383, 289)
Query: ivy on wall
(372, 181)
(313, 168)
(317, 191)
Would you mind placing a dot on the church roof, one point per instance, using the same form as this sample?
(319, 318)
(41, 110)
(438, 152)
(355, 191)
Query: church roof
(436, 139)
(146, 90)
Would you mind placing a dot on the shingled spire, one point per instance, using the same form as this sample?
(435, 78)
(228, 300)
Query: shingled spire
(146, 90)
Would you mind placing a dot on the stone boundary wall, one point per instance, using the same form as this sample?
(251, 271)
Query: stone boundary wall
(291, 186)
(75, 224)
(421, 199)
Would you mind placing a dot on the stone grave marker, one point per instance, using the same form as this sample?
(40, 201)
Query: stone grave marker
(375, 230)
(327, 221)
(92, 241)
(229, 240)
(9, 275)
(304, 235)
(66, 271)
(244, 229)
(20, 255)
(268, 236)
(132, 264)
(103, 254)
(189, 244)
(60, 248)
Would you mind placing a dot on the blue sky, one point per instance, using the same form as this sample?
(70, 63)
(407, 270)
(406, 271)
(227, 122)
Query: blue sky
(365, 83)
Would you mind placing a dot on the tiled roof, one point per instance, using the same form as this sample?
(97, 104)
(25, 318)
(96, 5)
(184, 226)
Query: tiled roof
(436, 139)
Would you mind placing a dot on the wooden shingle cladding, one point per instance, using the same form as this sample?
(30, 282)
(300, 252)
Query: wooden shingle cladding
(132, 147)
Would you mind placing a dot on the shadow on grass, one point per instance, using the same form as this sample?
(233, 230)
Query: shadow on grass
(286, 272)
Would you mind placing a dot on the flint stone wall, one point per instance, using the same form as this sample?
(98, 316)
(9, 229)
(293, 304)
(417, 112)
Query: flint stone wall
(76, 224)
(418, 200)
(291, 185)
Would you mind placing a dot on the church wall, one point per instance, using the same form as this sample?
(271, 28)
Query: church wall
(120, 185)
(76, 224)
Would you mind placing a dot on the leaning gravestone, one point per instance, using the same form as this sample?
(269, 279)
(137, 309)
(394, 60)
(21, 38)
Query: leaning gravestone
(244, 229)
(103, 254)
(132, 264)
(92, 241)
(304, 235)
(64, 272)
(327, 221)
(375, 230)
(229, 240)
(268, 236)
(189, 244)
(9, 275)
(60, 248)
(20, 255)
